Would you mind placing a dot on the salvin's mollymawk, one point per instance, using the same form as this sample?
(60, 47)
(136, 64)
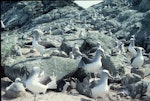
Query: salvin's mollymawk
(131, 47)
(34, 85)
(138, 60)
(92, 65)
(102, 88)
(16, 89)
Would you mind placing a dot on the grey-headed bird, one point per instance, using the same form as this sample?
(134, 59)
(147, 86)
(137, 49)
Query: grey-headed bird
(102, 88)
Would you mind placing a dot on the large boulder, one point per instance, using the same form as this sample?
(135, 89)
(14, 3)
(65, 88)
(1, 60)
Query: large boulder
(94, 37)
(59, 65)
(22, 13)
(115, 64)
(144, 5)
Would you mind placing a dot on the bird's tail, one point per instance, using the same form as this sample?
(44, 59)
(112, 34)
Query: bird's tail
(52, 84)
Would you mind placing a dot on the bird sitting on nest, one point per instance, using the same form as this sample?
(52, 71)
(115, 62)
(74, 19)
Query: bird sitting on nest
(138, 60)
(102, 89)
(36, 85)
(16, 89)
(40, 48)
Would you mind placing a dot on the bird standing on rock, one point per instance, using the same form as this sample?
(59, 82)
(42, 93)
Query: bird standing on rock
(34, 85)
(131, 47)
(138, 60)
(93, 65)
(102, 88)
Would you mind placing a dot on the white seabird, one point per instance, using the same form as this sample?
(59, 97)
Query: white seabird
(95, 64)
(138, 60)
(131, 47)
(37, 46)
(71, 56)
(15, 89)
(34, 85)
(102, 88)
(76, 51)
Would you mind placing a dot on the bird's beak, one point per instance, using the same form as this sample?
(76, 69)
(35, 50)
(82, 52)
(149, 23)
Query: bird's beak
(110, 76)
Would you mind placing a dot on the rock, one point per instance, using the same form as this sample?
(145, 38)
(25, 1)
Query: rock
(5, 82)
(98, 37)
(115, 64)
(141, 71)
(130, 78)
(143, 6)
(137, 89)
(67, 45)
(126, 14)
(59, 65)
(21, 16)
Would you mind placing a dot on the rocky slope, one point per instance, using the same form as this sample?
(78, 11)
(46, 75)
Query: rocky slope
(61, 23)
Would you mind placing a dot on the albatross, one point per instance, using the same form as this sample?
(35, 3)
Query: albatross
(131, 47)
(40, 48)
(102, 88)
(138, 60)
(35, 86)
(16, 89)
(92, 65)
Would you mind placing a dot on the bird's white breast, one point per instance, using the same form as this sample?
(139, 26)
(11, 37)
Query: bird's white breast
(138, 61)
(93, 67)
(132, 50)
(100, 91)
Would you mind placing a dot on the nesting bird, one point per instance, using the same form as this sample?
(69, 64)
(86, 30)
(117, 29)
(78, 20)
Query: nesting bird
(131, 47)
(34, 85)
(138, 60)
(102, 88)
(93, 65)
(76, 51)
(16, 89)
(71, 56)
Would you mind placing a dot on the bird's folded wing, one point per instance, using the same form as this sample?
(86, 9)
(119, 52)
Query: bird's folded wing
(44, 80)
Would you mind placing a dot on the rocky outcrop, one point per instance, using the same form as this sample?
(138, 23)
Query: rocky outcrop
(60, 66)
(61, 24)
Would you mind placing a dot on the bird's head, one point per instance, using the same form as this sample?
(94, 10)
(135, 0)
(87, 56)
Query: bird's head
(17, 80)
(35, 70)
(106, 73)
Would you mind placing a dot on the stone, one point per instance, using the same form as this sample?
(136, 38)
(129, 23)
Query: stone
(59, 65)
(67, 45)
(137, 89)
(130, 78)
(102, 38)
(115, 64)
